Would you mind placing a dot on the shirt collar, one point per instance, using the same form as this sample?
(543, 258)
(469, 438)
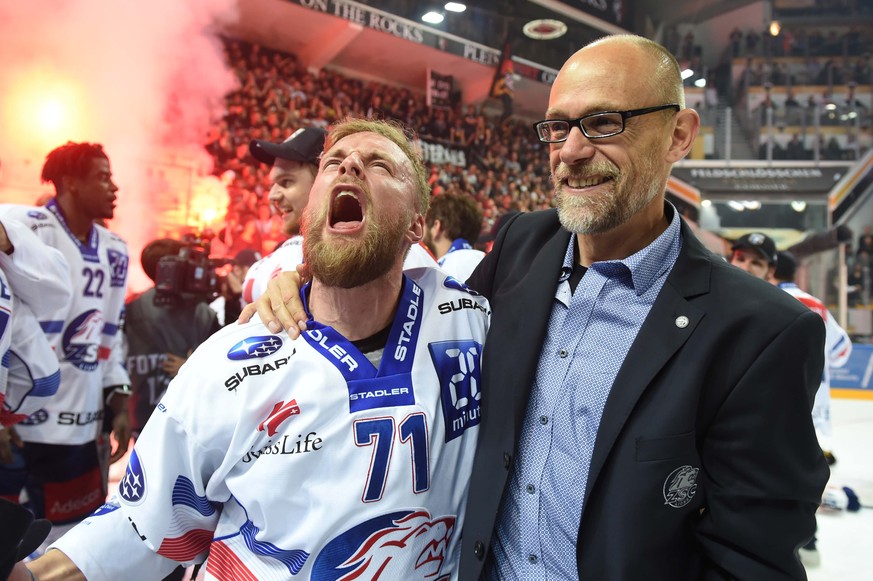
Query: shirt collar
(646, 265)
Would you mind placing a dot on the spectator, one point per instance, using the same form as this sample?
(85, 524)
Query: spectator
(453, 224)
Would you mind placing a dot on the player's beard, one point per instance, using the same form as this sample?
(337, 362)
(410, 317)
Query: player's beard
(631, 191)
(347, 263)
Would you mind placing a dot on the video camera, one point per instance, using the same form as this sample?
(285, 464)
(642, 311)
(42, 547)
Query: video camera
(189, 276)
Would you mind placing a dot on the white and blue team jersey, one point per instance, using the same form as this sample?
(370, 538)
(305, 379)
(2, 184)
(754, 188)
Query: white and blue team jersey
(286, 257)
(290, 254)
(300, 460)
(461, 259)
(85, 333)
(34, 280)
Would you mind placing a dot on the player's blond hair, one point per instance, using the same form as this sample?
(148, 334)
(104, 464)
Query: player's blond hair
(398, 134)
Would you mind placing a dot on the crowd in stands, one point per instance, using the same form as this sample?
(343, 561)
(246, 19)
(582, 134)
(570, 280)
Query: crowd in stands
(504, 164)
(802, 79)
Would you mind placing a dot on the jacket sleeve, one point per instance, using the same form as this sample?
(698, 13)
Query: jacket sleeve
(35, 269)
(762, 465)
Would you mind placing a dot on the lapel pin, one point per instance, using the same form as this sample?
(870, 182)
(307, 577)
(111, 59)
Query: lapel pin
(682, 321)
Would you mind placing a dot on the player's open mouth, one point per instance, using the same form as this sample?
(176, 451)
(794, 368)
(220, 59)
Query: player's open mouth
(346, 210)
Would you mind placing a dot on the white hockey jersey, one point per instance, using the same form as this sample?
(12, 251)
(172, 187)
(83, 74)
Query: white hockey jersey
(300, 460)
(461, 259)
(286, 257)
(290, 254)
(85, 333)
(34, 279)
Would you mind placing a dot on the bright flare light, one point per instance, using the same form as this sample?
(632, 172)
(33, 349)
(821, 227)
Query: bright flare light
(700, 83)
(455, 7)
(42, 111)
(687, 74)
(433, 17)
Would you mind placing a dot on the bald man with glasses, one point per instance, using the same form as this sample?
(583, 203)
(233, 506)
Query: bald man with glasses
(663, 431)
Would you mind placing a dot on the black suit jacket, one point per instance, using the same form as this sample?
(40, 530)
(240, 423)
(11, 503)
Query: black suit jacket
(712, 402)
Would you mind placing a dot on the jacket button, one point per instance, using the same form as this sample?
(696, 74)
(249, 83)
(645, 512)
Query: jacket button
(479, 550)
(507, 460)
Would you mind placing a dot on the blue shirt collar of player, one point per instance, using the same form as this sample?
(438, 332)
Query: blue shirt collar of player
(89, 250)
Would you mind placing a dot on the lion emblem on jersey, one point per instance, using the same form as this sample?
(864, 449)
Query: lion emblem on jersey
(400, 545)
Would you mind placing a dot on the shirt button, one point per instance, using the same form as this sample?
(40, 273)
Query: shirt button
(532, 559)
(562, 353)
(544, 420)
(531, 488)
(479, 550)
(507, 460)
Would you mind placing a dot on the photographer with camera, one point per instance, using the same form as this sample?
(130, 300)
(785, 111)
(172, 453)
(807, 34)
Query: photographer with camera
(163, 327)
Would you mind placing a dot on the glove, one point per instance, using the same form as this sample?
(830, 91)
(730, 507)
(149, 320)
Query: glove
(20, 535)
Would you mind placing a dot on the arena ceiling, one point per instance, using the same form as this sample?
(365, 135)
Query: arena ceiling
(321, 39)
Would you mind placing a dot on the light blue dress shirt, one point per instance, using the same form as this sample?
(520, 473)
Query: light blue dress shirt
(589, 334)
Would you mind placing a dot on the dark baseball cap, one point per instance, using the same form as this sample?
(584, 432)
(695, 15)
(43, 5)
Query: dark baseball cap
(786, 266)
(759, 242)
(20, 534)
(304, 145)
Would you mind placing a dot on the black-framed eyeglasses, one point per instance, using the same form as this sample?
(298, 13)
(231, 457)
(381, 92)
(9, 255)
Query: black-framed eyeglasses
(593, 125)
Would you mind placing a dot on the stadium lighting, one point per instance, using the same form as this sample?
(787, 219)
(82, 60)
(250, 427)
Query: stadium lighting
(700, 83)
(775, 28)
(706, 203)
(455, 7)
(687, 74)
(752, 205)
(798, 205)
(433, 17)
(736, 206)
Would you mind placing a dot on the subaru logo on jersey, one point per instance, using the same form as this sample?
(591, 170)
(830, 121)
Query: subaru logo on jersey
(255, 347)
(458, 366)
(37, 215)
(453, 283)
(36, 418)
(117, 267)
(380, 392)
(133, 486)
(81, 340)
(399, 545)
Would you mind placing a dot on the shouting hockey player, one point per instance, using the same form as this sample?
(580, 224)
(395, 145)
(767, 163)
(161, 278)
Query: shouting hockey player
(340, 454)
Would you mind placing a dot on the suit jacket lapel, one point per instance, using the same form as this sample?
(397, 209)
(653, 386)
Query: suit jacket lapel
(536, 294)
(662, 334)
